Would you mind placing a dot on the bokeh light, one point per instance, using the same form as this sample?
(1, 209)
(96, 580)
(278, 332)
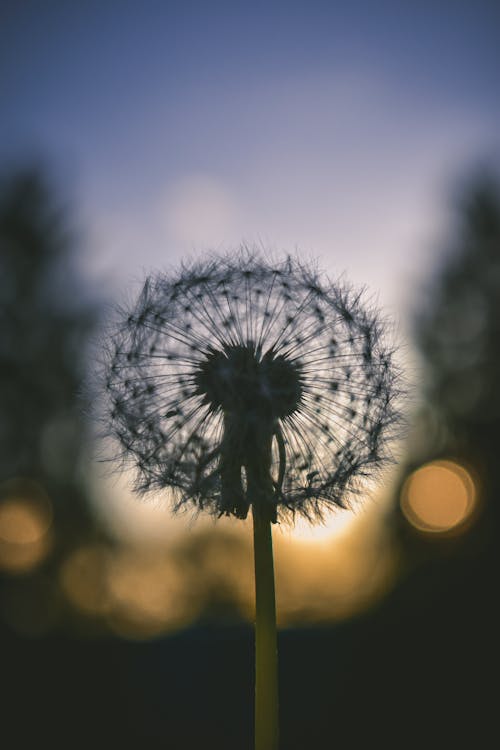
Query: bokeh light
(139, 594)
(439, 497)
(143, 591)
(25, 523)
(147, 595)
(325, 572)
(82, 579)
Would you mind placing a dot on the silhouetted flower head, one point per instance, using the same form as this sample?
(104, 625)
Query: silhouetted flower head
(243, 380)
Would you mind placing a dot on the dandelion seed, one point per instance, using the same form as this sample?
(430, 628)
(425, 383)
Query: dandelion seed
(255, 354)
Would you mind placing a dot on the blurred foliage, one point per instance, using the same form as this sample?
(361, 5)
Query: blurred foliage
(43, 341)
(440, 625)
(457, 330)
(45, 324)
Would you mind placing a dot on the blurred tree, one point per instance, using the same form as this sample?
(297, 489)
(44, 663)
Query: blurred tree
(458, 332)
(425, 658)
(44, 328)
(41, 346)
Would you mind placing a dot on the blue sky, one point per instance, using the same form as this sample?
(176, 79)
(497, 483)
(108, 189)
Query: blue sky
(334, 128)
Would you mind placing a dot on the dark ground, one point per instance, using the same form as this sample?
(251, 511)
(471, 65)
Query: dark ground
(420, 670)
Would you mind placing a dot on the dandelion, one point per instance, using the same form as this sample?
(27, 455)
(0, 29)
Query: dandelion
(244, 384)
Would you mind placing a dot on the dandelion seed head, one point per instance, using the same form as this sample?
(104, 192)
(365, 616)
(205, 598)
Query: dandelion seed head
(238, 368)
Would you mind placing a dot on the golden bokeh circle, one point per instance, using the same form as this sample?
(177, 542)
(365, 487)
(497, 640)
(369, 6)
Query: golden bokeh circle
(25, 524)
(439, 497)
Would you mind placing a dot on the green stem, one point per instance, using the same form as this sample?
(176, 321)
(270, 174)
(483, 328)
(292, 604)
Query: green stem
(266, 651)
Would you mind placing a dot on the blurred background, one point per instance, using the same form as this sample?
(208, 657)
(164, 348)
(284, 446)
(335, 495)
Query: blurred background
(364, 135)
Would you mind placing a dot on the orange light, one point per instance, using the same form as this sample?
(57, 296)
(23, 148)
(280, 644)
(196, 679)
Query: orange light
(22, 558)
(82, 579)
(439, 497)
(147, 595)
(25, 521)
(22, 522)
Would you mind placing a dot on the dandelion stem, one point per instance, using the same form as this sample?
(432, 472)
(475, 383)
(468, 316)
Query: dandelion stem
(266, 652)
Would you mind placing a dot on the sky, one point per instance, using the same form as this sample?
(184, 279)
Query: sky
(333, 129)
